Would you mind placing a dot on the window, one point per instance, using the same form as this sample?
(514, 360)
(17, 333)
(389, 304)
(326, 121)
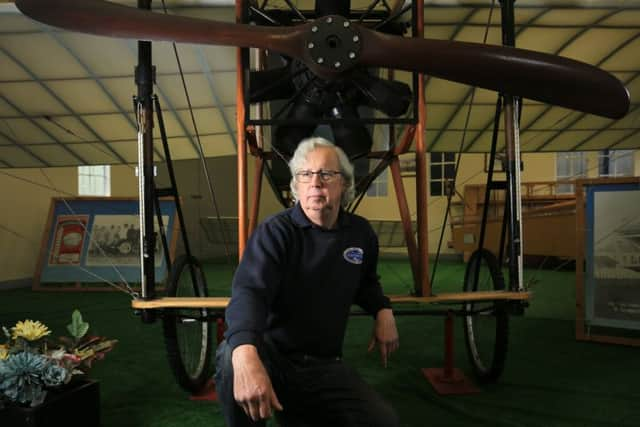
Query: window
(614, 163)
(443, 169)
(94, 180)
(570, 166)
(378, 187)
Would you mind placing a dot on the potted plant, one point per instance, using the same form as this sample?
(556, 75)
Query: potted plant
(40, 377)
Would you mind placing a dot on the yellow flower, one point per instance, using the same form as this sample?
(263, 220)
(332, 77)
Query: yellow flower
(4, 352)
(29, 330)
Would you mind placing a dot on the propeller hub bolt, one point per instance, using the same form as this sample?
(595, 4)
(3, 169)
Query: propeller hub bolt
(333, 44)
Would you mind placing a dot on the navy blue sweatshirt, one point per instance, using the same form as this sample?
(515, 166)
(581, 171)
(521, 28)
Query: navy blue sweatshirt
(297, 281)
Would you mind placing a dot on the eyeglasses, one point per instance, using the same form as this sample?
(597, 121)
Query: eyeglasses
(305, 176)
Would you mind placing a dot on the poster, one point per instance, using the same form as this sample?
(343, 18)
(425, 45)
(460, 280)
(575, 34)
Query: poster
(97, 240)
(70, 232)
(613, 256)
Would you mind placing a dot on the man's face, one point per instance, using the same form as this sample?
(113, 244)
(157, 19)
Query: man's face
(318, 195)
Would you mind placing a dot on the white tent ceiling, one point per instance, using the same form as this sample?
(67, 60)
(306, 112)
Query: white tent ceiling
(66, 98)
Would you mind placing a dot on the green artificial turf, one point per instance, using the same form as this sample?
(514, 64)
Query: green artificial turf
(550, 379)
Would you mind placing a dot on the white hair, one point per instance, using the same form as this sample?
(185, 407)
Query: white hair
(346, 168)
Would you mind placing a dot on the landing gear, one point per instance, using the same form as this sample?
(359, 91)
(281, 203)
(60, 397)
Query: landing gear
(187, 333)
(486, 325)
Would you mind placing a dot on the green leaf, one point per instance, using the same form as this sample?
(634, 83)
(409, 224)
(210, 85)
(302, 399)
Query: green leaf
(77, 328)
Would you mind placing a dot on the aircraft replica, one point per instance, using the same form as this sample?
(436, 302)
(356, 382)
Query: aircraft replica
(322, 66)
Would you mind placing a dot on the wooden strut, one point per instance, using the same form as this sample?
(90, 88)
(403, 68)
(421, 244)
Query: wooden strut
(423, 286)
(241, 146)
(253, 141)
(222, 302)
(403, 206)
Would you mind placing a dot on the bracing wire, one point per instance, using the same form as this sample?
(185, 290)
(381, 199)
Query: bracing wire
(201, 150)
(459, 156)
(126, 287)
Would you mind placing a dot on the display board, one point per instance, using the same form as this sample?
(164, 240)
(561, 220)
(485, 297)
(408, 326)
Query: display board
(90, 240)
(609, 283)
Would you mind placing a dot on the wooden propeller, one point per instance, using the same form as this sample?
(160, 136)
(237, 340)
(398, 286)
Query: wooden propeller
(332, 45)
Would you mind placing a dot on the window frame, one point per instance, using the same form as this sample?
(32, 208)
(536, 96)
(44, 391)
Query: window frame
(445, 163)
(94, 180)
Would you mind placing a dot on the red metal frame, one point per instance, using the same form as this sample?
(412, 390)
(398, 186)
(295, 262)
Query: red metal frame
(449, 379)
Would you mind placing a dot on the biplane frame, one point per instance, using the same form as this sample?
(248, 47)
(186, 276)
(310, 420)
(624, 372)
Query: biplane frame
(187, 304)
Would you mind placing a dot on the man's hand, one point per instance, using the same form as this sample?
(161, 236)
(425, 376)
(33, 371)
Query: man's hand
(385, 334)
(252, 387)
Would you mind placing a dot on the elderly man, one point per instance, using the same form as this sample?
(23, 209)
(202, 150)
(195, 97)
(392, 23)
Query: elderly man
(291, 296)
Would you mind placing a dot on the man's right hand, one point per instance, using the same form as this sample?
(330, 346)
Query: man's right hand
(252, 387)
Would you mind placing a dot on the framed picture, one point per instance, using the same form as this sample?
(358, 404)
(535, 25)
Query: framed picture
(608, 288)
(95, 240)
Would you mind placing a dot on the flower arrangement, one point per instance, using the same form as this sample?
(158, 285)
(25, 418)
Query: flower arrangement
(31, 364)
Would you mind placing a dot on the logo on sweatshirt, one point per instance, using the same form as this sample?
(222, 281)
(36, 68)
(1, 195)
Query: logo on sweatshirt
(353, 255)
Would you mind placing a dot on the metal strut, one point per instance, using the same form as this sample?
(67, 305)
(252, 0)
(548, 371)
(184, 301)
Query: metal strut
(149, 195)
(512, 165)
(144, 75)
(512, 216)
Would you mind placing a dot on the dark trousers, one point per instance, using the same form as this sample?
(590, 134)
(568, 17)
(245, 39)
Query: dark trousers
(312, 392)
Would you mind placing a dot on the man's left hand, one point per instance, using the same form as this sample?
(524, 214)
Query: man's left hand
(385, 334)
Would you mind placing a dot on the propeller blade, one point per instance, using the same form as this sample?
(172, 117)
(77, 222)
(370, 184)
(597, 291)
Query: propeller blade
(547, 78)
(539, 76)
(114, 20)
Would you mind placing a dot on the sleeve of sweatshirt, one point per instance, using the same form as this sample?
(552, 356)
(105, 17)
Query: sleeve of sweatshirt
(255, 284)
(370, 295)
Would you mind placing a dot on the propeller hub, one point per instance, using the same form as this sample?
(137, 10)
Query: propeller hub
(333, 45)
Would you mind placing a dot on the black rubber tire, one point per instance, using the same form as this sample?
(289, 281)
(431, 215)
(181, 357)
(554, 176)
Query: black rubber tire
(188, 340)
(486, 332)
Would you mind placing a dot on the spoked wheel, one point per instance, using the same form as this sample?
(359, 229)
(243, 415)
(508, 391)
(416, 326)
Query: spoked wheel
(487, 324)
(187, 333)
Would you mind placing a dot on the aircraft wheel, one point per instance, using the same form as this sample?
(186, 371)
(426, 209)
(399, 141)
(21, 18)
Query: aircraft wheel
(187, 332)
(486, 326)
